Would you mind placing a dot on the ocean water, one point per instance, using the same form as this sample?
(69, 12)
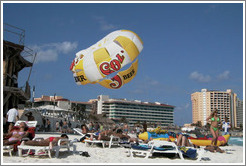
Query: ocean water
(236, 141)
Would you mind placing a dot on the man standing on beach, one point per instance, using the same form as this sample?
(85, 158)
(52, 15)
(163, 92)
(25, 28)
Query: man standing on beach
(11, 117)
(226, 125)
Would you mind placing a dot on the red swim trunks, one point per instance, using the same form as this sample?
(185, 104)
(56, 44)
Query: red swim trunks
(51, 138)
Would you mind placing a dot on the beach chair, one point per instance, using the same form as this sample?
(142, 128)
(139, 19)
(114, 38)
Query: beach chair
(46, 150)
(113, 141)
(28, 123)
(31, 129)
(154, 146)
(79, 131)
(9, 149)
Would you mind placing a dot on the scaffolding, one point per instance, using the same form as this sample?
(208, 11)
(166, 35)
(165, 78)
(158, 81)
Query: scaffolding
(15, 58)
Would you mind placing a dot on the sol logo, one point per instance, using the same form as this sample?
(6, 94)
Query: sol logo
(114, 65)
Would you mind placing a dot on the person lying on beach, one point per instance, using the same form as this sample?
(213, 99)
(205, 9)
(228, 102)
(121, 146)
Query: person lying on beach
(16, 135)
(105, 135)
(85, 131)
(119, 133)
(213, 149)
(46, 142)
(182, 140)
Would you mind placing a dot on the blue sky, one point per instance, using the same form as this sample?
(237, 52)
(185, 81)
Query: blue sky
(187, 47)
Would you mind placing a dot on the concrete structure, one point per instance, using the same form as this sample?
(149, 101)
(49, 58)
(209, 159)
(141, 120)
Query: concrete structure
(77, 111)
(135, 111)
(207, 100)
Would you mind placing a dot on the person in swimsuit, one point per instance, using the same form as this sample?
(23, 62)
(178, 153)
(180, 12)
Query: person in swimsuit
(85, 130)
(16, 135)
(214, 127)
(46, 142)
(125, 128)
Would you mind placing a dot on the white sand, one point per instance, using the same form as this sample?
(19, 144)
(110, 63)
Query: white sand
(118, 155)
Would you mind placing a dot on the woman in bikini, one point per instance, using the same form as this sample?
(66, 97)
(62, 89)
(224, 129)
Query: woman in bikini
(214, 127)
(16, 135)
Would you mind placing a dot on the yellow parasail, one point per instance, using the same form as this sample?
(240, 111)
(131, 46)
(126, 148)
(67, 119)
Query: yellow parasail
(108, 56)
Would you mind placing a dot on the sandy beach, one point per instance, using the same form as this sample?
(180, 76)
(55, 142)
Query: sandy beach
(119, 155)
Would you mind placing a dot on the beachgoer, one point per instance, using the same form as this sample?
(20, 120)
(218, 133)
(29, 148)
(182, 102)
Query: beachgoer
(101, 127)
(214, 128)
(16, 135)
(213, 149)
(144, 126)
(96, 127)
(182, 140)
(11, 117)
(91, 126)
(57, 126)
(44, 123)
(46, 142)
(226, 125)
(29, 116)
(137, 130)
(126, 128)
(69, 124)
(85, 130)
(48, 125)
(65, 126)
(61, 124)
(119, 133)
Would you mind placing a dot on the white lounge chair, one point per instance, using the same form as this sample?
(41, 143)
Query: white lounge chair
(79, 131)
(173, 148)
(28, 123)
(164, 147)
(150, 148)
(10, 148)
(46, 150)
(113, 141)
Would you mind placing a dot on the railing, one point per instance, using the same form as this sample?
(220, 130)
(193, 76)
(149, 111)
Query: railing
(15, 31)
(17, 35)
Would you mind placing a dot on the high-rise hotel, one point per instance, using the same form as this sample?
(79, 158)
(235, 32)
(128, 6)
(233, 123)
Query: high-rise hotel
(226, 102)
(135, 111)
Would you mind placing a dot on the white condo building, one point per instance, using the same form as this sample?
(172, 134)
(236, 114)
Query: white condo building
(135, 111)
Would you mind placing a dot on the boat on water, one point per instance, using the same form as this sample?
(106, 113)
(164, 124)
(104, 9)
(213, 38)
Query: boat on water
(200, 141)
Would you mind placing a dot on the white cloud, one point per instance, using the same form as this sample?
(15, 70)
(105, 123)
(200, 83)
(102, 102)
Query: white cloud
(50, 52)
(66, 47)
(104, 25)
(199, 77)
(224, 76)
(46, 55)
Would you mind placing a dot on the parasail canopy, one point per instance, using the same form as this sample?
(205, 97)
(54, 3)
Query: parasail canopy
(108, 56)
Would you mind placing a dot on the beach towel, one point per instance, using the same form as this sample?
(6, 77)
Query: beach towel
(140, 147)
(164, 148)
(188, 152)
